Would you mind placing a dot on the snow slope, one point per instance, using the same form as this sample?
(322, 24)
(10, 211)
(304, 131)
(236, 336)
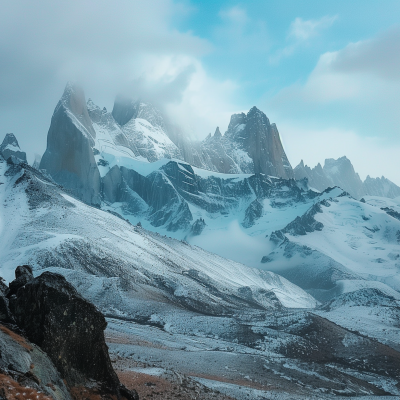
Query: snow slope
(173, 305)
(46, 230)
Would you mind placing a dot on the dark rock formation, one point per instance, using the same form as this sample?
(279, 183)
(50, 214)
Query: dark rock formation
(10, 148)
(69, 157)
(250, 145)
(124, 109)
(391, 212)
(260, 140)
(253, 212)
(25, 368)
(306, 223)
(23, 275)
(5, 313)
(197, 227)
(67, 327)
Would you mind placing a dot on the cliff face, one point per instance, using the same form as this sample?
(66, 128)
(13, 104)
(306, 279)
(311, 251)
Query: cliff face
(250, 145)
(69, 157)
(260, 140)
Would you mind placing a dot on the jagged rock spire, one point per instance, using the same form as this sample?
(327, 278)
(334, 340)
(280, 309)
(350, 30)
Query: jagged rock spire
(10, 148)
(217, 133)
(69, 158)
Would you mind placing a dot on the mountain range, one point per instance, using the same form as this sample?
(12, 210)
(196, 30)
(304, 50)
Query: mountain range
(128, 212)
(341, 173)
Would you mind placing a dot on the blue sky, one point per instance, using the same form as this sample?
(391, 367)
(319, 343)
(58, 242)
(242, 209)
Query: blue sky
(327, 72)
(248, 37)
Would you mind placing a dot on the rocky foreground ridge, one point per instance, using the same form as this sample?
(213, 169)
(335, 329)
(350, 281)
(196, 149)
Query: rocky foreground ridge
(52, 342)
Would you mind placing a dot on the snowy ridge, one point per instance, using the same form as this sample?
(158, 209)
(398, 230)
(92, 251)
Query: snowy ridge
(357, 239)
(54, 220)
(137, 138)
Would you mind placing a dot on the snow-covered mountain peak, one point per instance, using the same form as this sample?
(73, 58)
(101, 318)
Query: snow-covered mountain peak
(9, 140)
(341, 173)
(10, 147)
(74, 103)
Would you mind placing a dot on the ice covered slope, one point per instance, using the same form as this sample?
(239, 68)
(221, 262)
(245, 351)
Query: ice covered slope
(133, 129)
(339, 239)
(125, 269)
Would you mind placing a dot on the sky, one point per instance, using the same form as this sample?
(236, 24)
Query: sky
(326, 72)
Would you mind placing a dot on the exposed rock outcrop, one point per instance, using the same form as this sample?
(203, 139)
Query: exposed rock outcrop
(69, 329)
(197, 227)
(253, 212)
(250, 145)
(260, 140)
(25, 368)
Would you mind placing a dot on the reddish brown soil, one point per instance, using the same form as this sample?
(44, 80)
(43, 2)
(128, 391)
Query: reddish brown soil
(19, 339)
(157, 388)
(12, 390)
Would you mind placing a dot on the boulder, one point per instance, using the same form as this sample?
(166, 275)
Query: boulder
(68, 328)
(5, 313)
(23, 275)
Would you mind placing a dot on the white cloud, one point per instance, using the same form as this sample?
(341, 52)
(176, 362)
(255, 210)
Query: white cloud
(109, 47)
(190, 98)
(302, 30)
(236, 15)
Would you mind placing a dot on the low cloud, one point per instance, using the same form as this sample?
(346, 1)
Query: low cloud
(110, 48)
(235, 244)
